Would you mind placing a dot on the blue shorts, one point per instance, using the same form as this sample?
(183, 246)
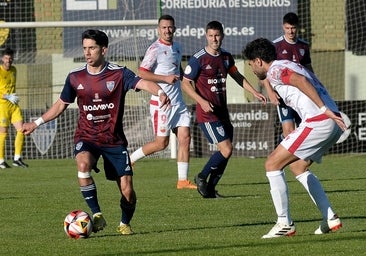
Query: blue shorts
(217, 131)
(116, 159)
(286, 114)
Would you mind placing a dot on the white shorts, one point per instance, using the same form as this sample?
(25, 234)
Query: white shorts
(313, 138)
(165, 120)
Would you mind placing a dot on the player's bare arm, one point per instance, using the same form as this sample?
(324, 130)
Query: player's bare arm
(51, 114)
(148, 75)
(272, 95)
(253, 91)
(154, 89)
(243, 82)
(303, 85)
(188, 87)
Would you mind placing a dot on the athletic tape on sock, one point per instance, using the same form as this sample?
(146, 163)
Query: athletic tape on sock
(84, 175)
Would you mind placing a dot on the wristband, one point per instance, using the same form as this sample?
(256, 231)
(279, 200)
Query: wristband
(160, 91)
(39, 121)
(323, 109)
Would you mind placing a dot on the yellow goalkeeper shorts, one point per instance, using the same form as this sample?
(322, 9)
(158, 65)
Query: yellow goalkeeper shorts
(9, 114)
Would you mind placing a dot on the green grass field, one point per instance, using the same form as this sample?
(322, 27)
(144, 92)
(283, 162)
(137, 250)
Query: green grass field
(35, 201)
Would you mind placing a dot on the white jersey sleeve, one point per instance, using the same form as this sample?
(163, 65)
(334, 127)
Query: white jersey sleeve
(292, 96)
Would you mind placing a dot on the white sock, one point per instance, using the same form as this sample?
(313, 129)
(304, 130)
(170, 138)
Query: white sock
(16, 157)
(182, 170)
(316, 193)
(138, 154)
(279, 193)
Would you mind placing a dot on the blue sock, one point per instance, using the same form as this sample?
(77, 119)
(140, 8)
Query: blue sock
(216, 176)
(128, 209)
(213, 163)
(90, 195)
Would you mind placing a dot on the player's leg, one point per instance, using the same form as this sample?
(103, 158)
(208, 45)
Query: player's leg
(118, 167)
(158, 144)
(311, 183)
(85, 160)
(127, 204)
(178, 119)
(184, 139)
(159, 119)
(226, 148)
(3, 135)
(324, 135)
(287, 127)
(277, 160)
(4, 125)
(17, 120)
(286, 116)
(216, 133)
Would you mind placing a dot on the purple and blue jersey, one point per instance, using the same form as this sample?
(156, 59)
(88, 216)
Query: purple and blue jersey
(100, 98)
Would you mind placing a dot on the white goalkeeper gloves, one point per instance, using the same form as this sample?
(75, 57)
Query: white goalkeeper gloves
(12, 97)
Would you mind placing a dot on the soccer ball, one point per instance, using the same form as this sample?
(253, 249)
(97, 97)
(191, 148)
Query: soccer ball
(78, 224)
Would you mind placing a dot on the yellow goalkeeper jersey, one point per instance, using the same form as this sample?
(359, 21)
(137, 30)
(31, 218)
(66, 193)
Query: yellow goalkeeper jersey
(7, 81)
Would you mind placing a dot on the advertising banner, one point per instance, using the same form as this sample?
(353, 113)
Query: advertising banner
(254, 131)
(355, 141)
(124, 41)
(243, 20)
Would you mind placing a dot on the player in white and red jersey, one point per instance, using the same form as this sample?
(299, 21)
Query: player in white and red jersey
(162, 64)
(320, 128)
(205, 82)
(290, 47)
(100, 88)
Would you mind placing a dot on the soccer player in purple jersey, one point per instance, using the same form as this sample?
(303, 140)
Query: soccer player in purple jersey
(100, 88)
(320, 128)
(289, 47)
(205, 82)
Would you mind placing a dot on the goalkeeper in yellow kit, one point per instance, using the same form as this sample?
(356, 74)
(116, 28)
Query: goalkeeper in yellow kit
(9, 110)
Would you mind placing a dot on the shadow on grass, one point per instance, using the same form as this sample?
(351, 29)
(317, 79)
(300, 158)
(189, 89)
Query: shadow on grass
(288, 181)
(251, 244)
(263, 223)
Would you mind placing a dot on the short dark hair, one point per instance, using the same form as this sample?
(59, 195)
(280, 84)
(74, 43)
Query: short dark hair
(291, 18)
(166, 17)
(7, 51)
(98, 36)
(216, 25)
(260, 48)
